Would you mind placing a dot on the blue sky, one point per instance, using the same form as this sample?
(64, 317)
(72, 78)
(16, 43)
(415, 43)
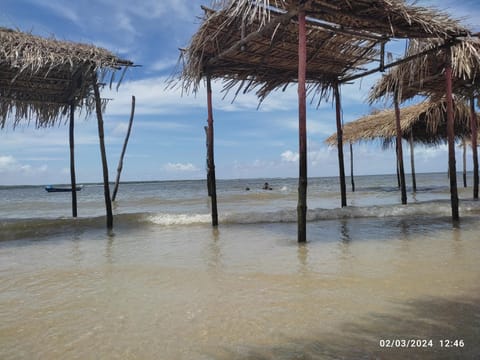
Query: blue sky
(168, 139)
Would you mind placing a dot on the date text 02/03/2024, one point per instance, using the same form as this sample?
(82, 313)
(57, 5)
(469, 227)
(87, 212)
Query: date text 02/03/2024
(424, 343)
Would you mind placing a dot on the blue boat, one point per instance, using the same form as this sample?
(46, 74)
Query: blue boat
(51, 188)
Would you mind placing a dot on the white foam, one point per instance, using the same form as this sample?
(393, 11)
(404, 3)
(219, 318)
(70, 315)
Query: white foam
(432, 208)
(179, 219)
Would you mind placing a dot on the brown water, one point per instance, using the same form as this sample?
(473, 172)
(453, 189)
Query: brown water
(243, 292)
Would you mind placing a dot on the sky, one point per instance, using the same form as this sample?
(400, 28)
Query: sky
(168, 139)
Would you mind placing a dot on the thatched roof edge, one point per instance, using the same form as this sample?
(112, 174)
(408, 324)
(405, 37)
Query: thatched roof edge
(41, 77)
(426, 121)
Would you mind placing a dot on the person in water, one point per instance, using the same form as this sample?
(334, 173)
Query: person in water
(266, 186)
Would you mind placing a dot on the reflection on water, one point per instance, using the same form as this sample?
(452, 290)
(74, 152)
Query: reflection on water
(243, 291)
(302, 252)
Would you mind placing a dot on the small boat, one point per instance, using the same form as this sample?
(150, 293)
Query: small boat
(51, 188)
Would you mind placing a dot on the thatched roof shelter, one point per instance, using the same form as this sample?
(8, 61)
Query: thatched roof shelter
(45, 80)
(452, 68)
(425, 75)
(264, 45)
(41, 78)
(426, 122)
(253, 44)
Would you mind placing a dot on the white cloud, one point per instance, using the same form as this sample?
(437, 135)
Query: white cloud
(179, 167)
(9, 165)
(153, 96)
(120, 129)
(124, 23)
(428, 153)
(320, 156)
(314, 156)
(85, 134)
(289, 156)
(6, 162)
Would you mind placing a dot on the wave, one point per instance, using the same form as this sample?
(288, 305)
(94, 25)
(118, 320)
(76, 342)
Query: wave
(35, 228)
(12, 229)
(432, 208)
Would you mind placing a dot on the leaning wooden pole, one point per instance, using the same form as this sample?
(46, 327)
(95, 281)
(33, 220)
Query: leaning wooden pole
(351, 167)
(474, 128)
(101, 137)
(401, 168)
(412, 163)
(451, 140)
(124, 149)
(210, 152)
(302, 128)
(73, 180)
(341, 164)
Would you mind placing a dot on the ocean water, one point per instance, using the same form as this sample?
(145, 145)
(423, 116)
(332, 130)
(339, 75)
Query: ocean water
(376, 280)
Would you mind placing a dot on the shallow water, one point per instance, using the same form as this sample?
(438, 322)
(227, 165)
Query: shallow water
(181, 290)
(244, 291)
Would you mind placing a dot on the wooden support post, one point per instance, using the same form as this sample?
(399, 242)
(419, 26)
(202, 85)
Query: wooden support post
(302, 128)
(101, 137)
(210, 158)
(351, 167)
(73, 180)
(124, 149)
(400, 151)
(464, 147)
(209, 181)
(396, 164)
(474, 128)
(341, 164)
(412, 163)
(451, 140)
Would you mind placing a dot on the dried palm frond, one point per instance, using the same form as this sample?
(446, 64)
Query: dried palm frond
(426, 122)
(40, 78)
(255, 42)
(425, 74)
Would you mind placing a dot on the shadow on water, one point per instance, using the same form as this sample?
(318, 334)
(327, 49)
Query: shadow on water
(437, 319)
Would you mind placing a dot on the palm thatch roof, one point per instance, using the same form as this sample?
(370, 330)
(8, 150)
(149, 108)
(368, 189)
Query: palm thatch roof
(425, 75)
(40, 78)
(253, 44)
(426, 122)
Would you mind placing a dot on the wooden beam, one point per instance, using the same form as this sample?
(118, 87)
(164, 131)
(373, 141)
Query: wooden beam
(464, 158)
(451, 140)
(401, 168)
(210, 157)
(101, 137)
(302, 128)
(73, 181)
(398, 62)
(351, 167)
(412, 163)
(341, 164)
(338, 29)
(474, 127)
